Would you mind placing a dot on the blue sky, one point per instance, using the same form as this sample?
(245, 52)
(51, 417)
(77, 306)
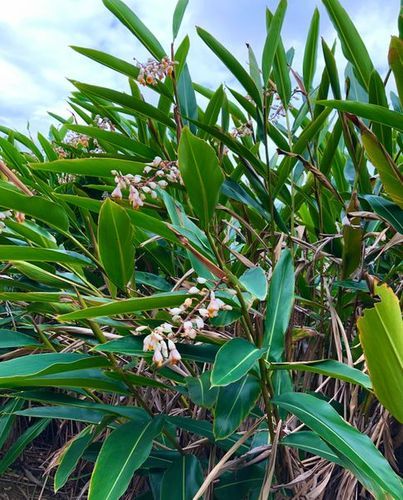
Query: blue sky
(35, 58)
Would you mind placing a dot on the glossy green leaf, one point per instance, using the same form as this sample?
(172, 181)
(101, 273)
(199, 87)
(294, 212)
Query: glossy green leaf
(387, 210)
(122, 453)
(312, 443)
(330, 368)
(31, 254)
(372, 112)
(15, 450)
(354, 448)
(279, 306)
(130, 104)
(120, 141)
(127, 17)
(178, 16)
(200, 390)
(36, 206)
(395, 57)
(182, 479)
(71, 455)
(391, 177)
(17, 370)
(115, 240)
(380, 329)
(232, 64)
(201, 174)
(377, 95)
(7, 418)
(156, 301)
(234, 403)
(352, 249)
(233, 361)
(311, 51)
(272, 40)
(353, 47)
(254, 280)
(94, 167)
(10, 338)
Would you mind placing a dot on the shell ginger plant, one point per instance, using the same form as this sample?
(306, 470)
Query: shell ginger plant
(202, 302)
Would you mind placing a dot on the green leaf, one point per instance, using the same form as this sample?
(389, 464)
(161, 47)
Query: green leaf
(391, 177)
(352, 251)
(182, 479)
(387, 210)
(122, 453)
(272, 40)
(377, 95)
(187, 98)
(21, 443)
(9, 338)
(36, 206)
(16, 371)
(115, 240)
(234, 404)
(71, 455)
(130, 104)
(332, 72)
(373, 112)
(380, 330)
(31, 254)
(200, 390)
(279, 306)
(113, 308)
(353, 47)
(94, 167)
(239, 483)
(395, 57)
(178, 16)
(254, 280)
(201, 174)
(232, 64)
(233, 361)
(354, 448)
(120, 141)
(127, 17)
(330, 368)
(109, 61)
(311, 51)
(7, 418)
(312, 443)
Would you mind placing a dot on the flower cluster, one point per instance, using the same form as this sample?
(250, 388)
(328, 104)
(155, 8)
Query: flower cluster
(153, 71)
(157, 175)
(187, 320)
(18, 216)
(76, 140)
(246, 129)
(104, 123)
(66, 178)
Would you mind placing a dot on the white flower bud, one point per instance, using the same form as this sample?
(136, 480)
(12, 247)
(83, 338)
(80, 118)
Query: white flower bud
(193, 290)
(175, 311)
(201, 280)
(174, 357)
(203, 312)
(157, 160)
(157, 358)
(163, 184)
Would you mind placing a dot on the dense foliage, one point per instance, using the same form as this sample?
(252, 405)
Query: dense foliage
(208, 293)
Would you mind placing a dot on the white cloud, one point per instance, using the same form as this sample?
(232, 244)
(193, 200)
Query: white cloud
(35, 35)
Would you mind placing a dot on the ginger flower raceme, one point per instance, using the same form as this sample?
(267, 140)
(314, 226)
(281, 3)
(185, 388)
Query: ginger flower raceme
(187, 321)
(153, 71)
(157, 174)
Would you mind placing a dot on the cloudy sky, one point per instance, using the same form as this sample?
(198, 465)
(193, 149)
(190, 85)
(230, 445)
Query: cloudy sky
(35, 58)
